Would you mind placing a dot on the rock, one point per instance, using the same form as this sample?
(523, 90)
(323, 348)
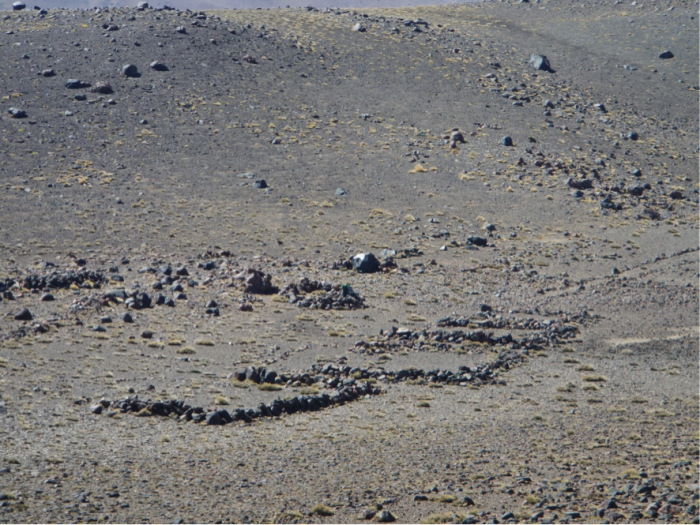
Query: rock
(636, 172)
(105, 319)
(142, 5)
(420, 497)
(252, 374)
(246, 307)
(126, 317)
(76, 84)
(260, 184)
(507, 516)
(249, 59)
(102, 87)
(17, 113)
(633, 135)
(365, 263)
(536, 516)
(476, 240)
(666, 55)
(359, 28)
(579, 184)
(146, 334)
(18, 6)
(96, 409)
(540, 63)
(158, 66)
(340, 192)
(637, 190)
(507, 141)
(24, 315)
(386, 517)
(80, 97)
(255, 281)
(456, 138)
(181, 29)
(48, 73)
(270, 376)
(214, 418)
(676, 195)
(489, 227)
(130, 70)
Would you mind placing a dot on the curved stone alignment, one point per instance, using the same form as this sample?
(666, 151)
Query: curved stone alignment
(181, 411)
(344, 380)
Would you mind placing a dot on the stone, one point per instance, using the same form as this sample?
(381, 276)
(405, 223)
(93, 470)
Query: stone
(126, 317)
(540, 63)
(255, 281)
(341, 192)
(636, 172)
(158, 66)
(466, 500)
(181, 29)
(130, 70)
(507, 141)
(666, 55)
(252, 374)
(385, 517)
(676, 195)
(24, 315)
(359, 28)
(637, 190)
(456, 138)
(476, 240)
(17, 113)
(142, 5)
(507, 516)
(48, 73)
(102, 87)
(96, 409)
(18, 6)
(633, 135)
(146, 334)
(47, 297)
(365, 263)
(260, 184)
(75, 84)
(420, 497)
(214, 418)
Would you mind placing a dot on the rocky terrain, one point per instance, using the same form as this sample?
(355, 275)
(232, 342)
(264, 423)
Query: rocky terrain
(420, 264)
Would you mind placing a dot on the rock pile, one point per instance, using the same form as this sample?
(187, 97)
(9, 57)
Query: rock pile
(54, 280)
(256, 281)
(181, 411)
(337, 297)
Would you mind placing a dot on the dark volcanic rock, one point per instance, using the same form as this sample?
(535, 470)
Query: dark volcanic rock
(24, 315)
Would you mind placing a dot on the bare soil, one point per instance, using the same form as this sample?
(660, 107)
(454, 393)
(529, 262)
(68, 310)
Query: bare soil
(589, 273)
